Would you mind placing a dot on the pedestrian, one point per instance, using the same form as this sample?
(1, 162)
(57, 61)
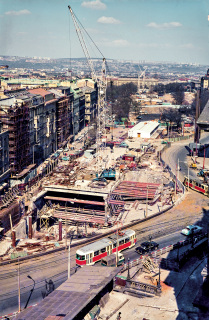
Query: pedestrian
(119, 316)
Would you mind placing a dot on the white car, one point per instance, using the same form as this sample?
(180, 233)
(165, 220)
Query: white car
(66, 149)
(191, 229)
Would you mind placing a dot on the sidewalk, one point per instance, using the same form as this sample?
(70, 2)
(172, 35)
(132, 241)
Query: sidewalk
(178, 292)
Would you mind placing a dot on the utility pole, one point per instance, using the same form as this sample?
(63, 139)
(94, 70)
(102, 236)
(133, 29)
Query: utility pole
(176, 183)
(204, 159)
(18, 280)
(178, 171)
(117, 247)
(146, 203)
(188, 178)
(197, 129)
(65, 226)
(69, 262)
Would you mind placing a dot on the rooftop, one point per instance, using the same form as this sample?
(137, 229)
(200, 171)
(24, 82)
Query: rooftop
(73, 295)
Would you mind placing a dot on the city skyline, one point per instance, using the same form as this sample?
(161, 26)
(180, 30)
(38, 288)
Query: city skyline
(152, 30)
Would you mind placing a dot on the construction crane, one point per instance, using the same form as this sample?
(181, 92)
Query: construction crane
(142, 75)
(101, 81)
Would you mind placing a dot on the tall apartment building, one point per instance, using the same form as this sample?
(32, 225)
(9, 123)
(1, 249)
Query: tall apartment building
(205, 81)
(15, 118)
(62, 120)
(68, 92)
(4, 156)
(90, 90)
(37, 136)
(49, 143)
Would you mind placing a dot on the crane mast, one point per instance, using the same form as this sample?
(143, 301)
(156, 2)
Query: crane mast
(101, 84)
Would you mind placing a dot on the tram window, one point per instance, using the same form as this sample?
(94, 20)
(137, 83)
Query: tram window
(114, 245)
(103, 250)
(121, 242)
(96, 253)
(78, 257)
(127, 240)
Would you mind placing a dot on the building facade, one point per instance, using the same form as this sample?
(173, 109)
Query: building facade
(14, 114)
(205, 81)
(49, 143)
(62, 120)
(90, 90)
(4, 155)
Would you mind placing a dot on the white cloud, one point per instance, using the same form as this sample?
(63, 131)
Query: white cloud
(165, 25)
(96, 5)
(120, 43)
(17, 13)
(187, 46)
(22, 33)
(108, 20)
(116, 43)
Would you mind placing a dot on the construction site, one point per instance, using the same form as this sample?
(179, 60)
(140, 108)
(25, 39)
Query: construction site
(77, 199)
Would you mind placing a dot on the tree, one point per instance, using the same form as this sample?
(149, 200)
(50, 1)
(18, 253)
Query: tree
(120, 99)
(172, 116)
(136, 106)
(178, 97)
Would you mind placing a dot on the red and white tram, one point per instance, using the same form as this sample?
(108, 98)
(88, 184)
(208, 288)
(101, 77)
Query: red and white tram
(197, 186)
(94, 252)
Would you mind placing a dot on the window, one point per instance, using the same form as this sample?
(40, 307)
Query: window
(127, 240)
(121, 242)
(103, 250)
(114, 245)
(81, 258)
(96, 253)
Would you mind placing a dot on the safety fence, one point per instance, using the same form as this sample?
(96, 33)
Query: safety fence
(145, 287)
(181, 138)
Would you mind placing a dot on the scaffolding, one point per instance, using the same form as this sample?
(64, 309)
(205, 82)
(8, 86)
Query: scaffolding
(15, 119)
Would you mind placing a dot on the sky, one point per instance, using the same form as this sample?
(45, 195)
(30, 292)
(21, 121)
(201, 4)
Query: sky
(135, 30)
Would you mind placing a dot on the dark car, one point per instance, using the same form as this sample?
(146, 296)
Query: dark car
(146, 247)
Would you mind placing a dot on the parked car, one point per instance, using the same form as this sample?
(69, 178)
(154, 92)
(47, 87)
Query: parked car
(189, 230)
(146, 247)
(123, 145)
(60, 150)
(66, 149)
(66, 158)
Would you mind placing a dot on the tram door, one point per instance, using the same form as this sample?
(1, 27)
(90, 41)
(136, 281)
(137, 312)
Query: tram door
(89, 258)
(109, 250)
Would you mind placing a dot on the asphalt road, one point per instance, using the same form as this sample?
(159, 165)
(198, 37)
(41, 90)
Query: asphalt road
(52, 267)
(178, 153)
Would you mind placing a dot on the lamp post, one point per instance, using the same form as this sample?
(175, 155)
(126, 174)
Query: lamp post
(29, 277)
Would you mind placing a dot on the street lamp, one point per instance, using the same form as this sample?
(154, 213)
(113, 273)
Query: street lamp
(29, 277)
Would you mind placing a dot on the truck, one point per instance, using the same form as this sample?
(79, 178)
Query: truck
(110, 261)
